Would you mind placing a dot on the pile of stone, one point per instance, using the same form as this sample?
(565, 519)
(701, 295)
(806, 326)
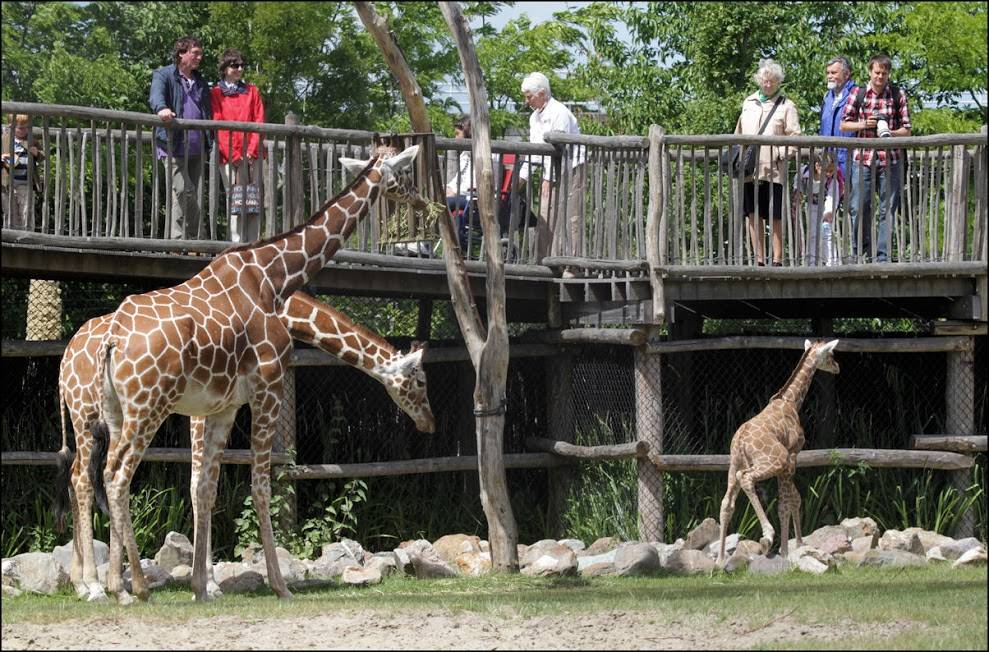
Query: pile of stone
(855, 542)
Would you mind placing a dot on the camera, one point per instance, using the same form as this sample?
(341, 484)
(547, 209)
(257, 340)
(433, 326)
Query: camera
(882, 126)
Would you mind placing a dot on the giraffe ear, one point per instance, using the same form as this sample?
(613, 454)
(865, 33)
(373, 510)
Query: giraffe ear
(829, 347)
(411, 361)
(417, 346)
(401, 162)
(352, 165)
(806, 344)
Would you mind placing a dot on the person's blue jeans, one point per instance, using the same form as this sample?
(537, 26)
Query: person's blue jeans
(889, 181)
(462, 204)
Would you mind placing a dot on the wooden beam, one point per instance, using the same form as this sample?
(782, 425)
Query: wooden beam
(956, 443)
(636, 449)
(623, 336)
(415, 467)
(875, 458)
(184, 455)
(845, 344)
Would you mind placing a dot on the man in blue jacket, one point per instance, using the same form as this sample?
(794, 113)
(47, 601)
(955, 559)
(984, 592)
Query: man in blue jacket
(179, 91)
(840, 85)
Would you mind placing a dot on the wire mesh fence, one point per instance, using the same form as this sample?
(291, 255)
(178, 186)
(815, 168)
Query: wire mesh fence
(342, 416)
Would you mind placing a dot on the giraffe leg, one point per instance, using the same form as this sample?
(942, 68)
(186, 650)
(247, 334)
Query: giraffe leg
(264, 415)
(747, 479)
(121, 465)
(727, 509)
(75, 570)
(789, 488)
(209, 437)
(784, 509)
(82, 513)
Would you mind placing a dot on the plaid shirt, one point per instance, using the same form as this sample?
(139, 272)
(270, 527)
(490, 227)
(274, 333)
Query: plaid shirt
(884, 104)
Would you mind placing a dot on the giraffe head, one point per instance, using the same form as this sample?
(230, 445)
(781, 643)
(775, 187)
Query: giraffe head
(396, 174)
(405, 380)
(824, 352)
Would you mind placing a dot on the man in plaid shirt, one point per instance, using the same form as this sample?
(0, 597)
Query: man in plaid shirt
(878, 115)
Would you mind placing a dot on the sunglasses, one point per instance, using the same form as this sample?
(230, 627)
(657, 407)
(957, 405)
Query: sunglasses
(238, 66)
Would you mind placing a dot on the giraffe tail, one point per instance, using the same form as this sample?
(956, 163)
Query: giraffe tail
(63, 473)
(100, 430)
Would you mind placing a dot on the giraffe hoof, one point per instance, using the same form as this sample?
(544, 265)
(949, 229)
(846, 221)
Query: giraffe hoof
(766, 544)
(125, 599)
(96, 596)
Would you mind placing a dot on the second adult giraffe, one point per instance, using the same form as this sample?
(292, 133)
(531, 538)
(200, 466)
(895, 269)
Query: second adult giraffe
(209, 345)
(767, 445)
(307, 320)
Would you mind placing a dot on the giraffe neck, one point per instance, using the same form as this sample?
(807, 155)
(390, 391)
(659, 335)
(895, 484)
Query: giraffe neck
(795, 389)
(333, 332)
(292, 259)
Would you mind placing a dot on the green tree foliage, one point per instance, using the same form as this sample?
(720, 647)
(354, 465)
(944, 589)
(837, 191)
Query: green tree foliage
(686, 66)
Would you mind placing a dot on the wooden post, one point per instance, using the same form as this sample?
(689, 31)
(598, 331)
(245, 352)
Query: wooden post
(649, 428)
(424, 322)
(656, 222)
(293, 205)
(959, 398)
(559, 416)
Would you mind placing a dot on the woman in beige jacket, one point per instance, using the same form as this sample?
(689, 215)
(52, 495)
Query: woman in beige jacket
(770, 172)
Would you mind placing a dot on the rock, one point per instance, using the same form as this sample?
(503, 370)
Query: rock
(357, 576)
(63, 554)
(819, 562)
(428, 564)
(664, 550)
(689, 561)
(636, 559)
(749, 549)
(957, 548)
(852, 557)
(865, 543)
(604, 544)
(830, 539)
(928, 539)
(403, 561)
(731, 542)
(810, 565)
(563, 564)
(384, 563)
(35, 572)
(860, 527)
(294, 571)
(897, 540)
(451, 546)
(737, 562)
(154, 575)
(175, 551)
(763, 565)
(237, 577)
(574, 544)
(10, 592)
(343, 550)
(548, 547)
(182, 574)
(892, 558)
(971, 557)
(598, 568)
(473, 564)
(590, 560)
(702, 535)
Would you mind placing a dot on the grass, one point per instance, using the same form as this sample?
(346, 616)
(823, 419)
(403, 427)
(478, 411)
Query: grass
(933, 607)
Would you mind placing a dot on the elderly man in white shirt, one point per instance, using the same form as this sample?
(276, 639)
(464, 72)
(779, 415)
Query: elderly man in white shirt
(551, 115)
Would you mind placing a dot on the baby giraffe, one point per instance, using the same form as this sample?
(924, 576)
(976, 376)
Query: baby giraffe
(767, 445)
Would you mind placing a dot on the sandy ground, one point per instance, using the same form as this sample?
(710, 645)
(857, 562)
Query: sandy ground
(442, 630)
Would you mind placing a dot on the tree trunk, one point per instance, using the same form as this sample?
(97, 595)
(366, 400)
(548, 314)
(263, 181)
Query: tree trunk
(488, 349)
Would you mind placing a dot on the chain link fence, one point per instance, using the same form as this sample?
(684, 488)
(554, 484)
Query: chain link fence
(343, 416)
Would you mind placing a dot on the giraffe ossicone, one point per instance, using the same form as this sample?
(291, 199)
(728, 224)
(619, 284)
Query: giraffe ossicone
(766, 446)
(215, 342)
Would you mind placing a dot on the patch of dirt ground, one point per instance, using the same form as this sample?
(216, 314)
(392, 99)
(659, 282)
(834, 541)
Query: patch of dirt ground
(443, 630)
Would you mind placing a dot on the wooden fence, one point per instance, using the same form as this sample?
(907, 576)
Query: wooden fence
(101, 180)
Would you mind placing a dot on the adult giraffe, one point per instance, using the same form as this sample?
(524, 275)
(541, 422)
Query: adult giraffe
(209, 345)
(307, 320)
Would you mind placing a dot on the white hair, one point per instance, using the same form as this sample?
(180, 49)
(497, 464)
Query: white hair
(535, 82)
(768, 68)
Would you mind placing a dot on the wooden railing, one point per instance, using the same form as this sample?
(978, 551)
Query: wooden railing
(100, 179)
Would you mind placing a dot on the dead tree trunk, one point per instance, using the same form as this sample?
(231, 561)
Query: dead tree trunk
(488, 347)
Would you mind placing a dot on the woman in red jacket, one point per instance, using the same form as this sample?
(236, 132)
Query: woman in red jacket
(232, 99)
